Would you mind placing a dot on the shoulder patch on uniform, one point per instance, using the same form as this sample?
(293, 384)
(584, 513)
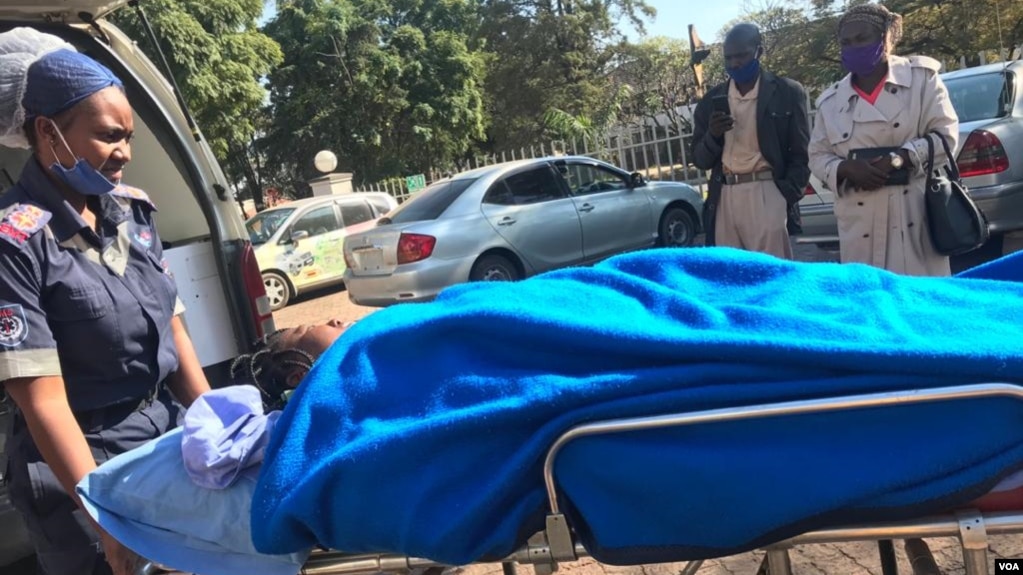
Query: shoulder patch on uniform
(123, 191)
(924, 62)
(13, 326)
(21, 221)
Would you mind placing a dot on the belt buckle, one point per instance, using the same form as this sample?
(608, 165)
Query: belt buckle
(150, 397)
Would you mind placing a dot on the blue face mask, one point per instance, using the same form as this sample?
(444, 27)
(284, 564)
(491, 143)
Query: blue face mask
(82, 178)
(746, 74)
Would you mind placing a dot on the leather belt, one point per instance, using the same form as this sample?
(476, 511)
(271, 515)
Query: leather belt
(94, 419)
(736, 179)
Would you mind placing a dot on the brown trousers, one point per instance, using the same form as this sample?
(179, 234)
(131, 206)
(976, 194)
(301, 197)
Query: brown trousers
(753, 217)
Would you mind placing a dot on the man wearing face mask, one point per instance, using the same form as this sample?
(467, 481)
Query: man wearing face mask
(752, 133)
(869, 144)
(92, 349)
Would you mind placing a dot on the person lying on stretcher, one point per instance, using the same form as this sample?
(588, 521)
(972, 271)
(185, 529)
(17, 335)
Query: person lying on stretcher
(282, 359)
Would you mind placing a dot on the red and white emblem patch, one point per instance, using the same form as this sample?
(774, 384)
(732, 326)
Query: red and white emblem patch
(13, 327)
(21, 221)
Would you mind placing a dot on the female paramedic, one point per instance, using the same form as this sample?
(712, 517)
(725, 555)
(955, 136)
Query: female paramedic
(92, 350)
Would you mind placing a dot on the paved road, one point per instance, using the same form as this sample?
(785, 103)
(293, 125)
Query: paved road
(831, 559)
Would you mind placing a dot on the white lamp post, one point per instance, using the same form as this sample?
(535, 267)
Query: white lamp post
(330, 182)
(325, 161)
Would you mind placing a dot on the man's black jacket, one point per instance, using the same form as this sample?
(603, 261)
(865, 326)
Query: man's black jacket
(783, 130)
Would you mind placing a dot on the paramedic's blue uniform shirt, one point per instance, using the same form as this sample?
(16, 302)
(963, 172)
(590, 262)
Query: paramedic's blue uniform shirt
(92, 307)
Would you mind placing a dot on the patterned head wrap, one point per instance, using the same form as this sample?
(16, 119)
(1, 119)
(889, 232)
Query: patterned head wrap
(878, 17)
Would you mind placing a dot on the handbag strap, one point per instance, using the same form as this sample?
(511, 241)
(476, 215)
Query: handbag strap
(950, 164)
(930, 158)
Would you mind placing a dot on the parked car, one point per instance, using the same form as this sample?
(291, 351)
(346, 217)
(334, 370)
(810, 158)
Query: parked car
(298, 244)
(989, 102)
(816, 211)
(513, 220)
(205, 244)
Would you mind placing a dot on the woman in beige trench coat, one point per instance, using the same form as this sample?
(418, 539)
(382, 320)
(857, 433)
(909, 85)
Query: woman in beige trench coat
(885, 101)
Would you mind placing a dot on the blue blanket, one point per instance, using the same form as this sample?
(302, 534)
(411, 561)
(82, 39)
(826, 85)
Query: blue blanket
(423, 429)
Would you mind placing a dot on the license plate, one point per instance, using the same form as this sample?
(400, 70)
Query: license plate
(369, 258)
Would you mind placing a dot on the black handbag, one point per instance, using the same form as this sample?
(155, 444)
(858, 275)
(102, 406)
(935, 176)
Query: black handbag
(955, 223)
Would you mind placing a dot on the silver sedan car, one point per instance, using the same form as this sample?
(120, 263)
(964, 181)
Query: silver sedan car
(514, 220)
(989, 103)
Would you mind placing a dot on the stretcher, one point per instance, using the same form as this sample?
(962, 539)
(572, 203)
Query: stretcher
(559, 543)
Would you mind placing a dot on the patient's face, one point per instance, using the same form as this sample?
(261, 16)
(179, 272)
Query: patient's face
(313, 339)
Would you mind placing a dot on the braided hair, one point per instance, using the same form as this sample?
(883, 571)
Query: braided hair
(888, 23)
(268, 367)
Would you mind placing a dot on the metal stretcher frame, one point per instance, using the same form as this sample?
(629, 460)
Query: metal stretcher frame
(556, 545)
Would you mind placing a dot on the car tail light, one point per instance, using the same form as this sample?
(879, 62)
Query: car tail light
(415, 247)
(808, 190)
(982, 154)
(256, 292)
(349, 263)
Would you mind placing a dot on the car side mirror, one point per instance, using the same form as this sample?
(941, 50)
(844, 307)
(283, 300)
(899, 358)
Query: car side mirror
(636, 180)
(299, 235)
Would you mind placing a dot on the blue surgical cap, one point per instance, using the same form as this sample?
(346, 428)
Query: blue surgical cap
(61, 79)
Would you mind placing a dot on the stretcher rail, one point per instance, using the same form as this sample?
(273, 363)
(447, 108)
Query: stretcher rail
(1001, 523)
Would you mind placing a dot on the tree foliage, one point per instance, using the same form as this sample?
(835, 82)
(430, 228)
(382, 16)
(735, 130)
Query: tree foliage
(217, 56)
(658, 72)
(392, 87)
(551, 56)
(588, 128)
(952, 29)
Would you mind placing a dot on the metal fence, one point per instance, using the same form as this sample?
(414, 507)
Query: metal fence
(659, 152)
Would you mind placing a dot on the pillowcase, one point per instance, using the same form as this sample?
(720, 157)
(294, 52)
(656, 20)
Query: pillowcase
(146, 500)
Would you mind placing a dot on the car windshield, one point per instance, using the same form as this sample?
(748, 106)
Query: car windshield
(980, 97)
(430, 203)
(263, 225)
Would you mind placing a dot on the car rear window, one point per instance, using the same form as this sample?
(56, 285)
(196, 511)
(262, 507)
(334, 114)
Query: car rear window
(980, 97)
(430, 203)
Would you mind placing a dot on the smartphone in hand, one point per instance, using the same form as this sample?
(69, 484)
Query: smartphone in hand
(719, 103)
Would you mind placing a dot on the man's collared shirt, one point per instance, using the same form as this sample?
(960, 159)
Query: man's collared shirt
(742, 147)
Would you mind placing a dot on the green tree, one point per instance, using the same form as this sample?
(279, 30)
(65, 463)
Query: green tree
(392, 88)
(217, 57)
(952, 29)
(551, 56)
(589, 129)
(657, 71)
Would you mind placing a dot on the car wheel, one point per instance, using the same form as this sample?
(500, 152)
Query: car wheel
(278, 291)
(493, 268)
(677, 229)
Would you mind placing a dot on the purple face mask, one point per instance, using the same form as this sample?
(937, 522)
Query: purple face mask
(862, 60)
